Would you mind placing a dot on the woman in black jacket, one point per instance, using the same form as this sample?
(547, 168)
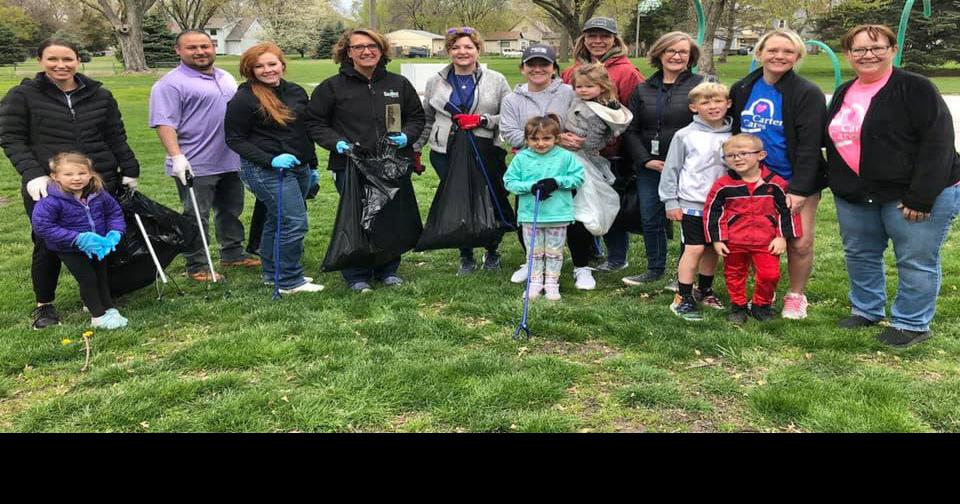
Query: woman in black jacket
(61, 110)
(787, 112)
(895, 176)
(660, 108)
(265, 125)
(351, 109)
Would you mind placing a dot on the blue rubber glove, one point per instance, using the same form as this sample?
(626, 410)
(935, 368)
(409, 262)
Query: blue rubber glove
(398, 139)
(284, 161)
(113, 237)
(88, 243)
(314, 178)
(343, 147)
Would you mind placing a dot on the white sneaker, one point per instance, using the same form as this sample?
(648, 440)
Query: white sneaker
(270, 282)
(307, 287)
(794, 306)
(552, 292)
(520, 275)
(583, 278)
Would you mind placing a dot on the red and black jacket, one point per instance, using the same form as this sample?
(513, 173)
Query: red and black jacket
(736, 215)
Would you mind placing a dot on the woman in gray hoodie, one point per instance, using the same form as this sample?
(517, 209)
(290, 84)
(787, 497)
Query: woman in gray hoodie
(464, 96)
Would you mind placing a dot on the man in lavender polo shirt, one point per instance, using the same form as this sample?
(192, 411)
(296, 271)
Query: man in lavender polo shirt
(187, 107)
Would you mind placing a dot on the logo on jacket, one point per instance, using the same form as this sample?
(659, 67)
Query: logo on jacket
(758, 117)
(391, 94)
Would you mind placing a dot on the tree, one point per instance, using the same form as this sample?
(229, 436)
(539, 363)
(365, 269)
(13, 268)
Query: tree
(126, 18)
(667, 17)
(329, 35)
(929, 43)
(713, 11)
(19, 22)
(94, 32)
(569, 14)
(191, 14)
(10, 49)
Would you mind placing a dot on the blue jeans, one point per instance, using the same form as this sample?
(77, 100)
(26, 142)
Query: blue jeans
(653, 215)
(264, 183)
(355, 275)
(618, 243)
(441, 163)
(866, 229)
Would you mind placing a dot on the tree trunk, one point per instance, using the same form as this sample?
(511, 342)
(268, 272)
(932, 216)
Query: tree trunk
(714, 12)
(731, 22)
(130, 36)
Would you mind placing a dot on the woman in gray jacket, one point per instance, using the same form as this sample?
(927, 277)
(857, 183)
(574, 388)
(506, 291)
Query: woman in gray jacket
(464, 96)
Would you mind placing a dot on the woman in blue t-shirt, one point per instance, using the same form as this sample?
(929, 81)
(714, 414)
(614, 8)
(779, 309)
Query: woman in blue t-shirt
(788, 113)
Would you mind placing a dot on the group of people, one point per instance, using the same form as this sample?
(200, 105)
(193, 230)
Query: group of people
(741, 169)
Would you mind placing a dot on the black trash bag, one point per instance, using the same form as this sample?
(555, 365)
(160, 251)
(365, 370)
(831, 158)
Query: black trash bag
(377, 217)
(171, 233)
(629, 218)
(470, 208)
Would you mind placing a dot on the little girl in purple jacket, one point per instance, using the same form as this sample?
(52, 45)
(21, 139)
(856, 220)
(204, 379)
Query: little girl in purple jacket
(82, 224)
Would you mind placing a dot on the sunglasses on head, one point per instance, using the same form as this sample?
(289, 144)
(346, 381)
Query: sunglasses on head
(462, 29)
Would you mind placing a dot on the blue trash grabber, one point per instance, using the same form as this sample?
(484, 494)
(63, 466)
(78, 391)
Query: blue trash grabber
(526, 295)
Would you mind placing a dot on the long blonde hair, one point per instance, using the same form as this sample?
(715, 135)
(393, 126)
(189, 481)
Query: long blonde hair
(595, 74)
(59, 161)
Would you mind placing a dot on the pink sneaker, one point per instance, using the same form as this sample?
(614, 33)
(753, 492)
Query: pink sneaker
(794, 306)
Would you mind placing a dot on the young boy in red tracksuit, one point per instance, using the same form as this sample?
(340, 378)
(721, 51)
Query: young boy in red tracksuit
(747, 220)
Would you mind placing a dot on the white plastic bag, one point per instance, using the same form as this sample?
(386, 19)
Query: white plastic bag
(597, 203)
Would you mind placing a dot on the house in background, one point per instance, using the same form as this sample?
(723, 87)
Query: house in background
(537, 32)
(407, 42)
(233, 36)
(499, 42)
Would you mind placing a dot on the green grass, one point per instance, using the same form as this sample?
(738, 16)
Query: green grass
(436, 353)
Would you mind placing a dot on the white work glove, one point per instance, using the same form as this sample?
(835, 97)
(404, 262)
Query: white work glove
(130, 182)
(37, 188)
(180, 168)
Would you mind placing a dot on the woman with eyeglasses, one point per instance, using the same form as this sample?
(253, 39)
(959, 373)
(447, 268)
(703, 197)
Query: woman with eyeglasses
(895, 176)
(600, 42)
(660, 109)
(787, 112)
(543, 94)
(350, 110)
(463, 96)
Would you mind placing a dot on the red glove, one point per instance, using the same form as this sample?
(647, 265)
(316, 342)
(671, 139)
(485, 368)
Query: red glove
(417, 163)
(468, 121)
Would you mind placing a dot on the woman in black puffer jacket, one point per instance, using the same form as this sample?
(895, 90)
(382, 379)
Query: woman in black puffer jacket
(61, 110)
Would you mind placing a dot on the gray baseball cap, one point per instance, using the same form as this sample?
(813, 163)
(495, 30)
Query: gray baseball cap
(601, 23)
(539, 51)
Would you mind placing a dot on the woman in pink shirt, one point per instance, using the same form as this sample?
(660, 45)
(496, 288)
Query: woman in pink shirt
(894, 174)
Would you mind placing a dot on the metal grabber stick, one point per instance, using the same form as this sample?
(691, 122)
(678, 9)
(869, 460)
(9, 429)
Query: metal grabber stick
(203, 235)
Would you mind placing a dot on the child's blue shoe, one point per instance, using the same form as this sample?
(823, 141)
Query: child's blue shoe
(109, 320)
(117, 313)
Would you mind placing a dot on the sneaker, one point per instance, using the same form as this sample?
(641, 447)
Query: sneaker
(535, 289)
(203, 276)
(109, 320)
(361, 287)
(583, 278)
(552, 292)
(645, 277)
(392, 280)
(306, 287)
(45, 316)
(902, 338)
(855, 321)
(794, 306)
(762, 313)
(246, 262)
(491, 261)
(738, 314)
(467, 266)
(116, 313)
(306, 279)
(609, 267)
(673, 285)
(686, 308)
(520, 275)
(708, 299)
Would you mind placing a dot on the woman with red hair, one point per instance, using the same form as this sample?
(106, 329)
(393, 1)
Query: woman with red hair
(265, 126)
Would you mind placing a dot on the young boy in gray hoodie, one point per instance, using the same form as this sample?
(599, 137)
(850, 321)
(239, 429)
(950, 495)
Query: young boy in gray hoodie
(692, 165)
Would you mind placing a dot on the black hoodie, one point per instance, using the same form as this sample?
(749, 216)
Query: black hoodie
(258, 139)
(643, 104)
(38, 121)
(350, 107)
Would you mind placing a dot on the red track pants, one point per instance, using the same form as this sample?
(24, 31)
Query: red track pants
(736, 268)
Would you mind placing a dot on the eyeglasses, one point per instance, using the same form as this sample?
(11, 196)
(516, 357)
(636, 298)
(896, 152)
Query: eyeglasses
(462, 29)
(737, 155)
(674, 52)
(360, 47)
(878, 51)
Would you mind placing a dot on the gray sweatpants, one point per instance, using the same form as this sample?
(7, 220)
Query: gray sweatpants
(224, 193)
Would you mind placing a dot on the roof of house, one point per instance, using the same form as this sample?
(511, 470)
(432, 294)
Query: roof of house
(217, 23)
(240, 29)
(420, 33)
(536, 23)
(512, 35)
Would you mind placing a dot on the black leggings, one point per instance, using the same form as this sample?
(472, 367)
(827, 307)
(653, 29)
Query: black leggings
(91, 276)
(581, 244)
(45, 265)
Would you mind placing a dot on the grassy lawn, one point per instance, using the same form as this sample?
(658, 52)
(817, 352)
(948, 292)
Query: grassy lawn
(436, 355)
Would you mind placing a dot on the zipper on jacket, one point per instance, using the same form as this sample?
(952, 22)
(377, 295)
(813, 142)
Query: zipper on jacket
(86, 207)
(373, 109)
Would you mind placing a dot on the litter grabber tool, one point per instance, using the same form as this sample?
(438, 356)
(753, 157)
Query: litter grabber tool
(524, 327)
